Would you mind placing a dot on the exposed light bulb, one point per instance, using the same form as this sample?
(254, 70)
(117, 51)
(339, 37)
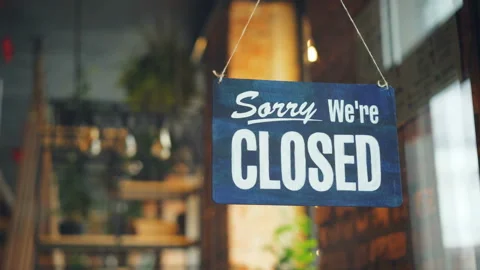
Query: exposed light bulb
(164, 153)
(130, 146)
(134, 167)
(164, 138)
(312, 54)
(95, 147)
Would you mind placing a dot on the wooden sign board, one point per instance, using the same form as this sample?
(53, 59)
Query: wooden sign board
(290, 143)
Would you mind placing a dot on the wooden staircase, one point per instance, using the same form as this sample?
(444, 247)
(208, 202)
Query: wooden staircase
(19, 249)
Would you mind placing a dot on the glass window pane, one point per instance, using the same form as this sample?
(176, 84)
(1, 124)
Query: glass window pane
(413, 20)
(456, 164)
(386, 34)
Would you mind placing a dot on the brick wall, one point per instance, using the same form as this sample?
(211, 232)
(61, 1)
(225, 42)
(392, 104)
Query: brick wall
(380, 238)
(353, 238)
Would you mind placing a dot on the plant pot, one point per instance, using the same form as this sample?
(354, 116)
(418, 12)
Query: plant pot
(154, 226)
(71, 227)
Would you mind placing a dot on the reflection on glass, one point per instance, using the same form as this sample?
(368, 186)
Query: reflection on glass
(456, 165)
(443, 181)
(413, 20)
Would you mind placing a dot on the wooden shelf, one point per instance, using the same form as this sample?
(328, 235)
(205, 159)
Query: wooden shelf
(157, 190)
(108, 242)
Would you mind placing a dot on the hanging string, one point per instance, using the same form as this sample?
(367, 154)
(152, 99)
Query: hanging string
(379, 83)
(221, 75)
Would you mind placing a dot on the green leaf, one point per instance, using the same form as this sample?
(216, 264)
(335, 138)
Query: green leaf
(306, 244)
(287, 256)
(299, 252)
(283, 229)
(150, 79)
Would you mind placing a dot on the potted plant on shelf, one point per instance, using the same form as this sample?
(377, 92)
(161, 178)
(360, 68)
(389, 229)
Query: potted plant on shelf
(75, 200)
(157, 82)
(293, 246)
(122, 220)
(76, 262)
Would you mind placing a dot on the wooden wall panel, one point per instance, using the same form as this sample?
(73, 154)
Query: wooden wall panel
(268, 51)
(214, 238)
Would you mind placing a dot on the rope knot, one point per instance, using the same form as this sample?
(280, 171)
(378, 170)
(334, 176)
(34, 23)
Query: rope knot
(383, 84)
(219, 76)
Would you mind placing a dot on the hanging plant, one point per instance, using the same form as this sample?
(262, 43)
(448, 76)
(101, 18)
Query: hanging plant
(160, 80)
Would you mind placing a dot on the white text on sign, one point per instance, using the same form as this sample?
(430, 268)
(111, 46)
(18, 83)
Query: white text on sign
(338, 110)
(321, 177)
(302, 173)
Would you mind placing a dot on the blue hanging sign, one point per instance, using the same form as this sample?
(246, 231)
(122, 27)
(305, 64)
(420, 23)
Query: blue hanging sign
(310, 144)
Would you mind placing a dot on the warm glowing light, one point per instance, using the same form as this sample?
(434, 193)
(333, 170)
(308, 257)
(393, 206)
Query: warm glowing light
(312, 54)
(165, 153)
(94, 133)
(95, 147)
(166, 144)
(134, 167)
(164, 138)
(199, 49)
(130, 146)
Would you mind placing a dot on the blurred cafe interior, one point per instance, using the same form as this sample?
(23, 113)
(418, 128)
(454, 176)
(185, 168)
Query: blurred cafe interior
(105, 133)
